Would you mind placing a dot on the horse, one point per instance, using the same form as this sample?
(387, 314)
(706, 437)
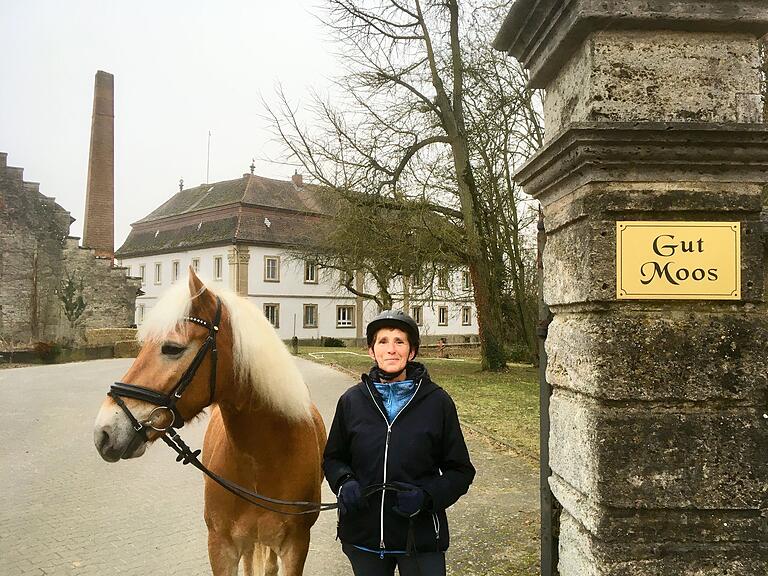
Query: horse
(264, 433)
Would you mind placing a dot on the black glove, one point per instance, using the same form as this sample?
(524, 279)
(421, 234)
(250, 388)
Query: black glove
(350, 497)
(410, 501)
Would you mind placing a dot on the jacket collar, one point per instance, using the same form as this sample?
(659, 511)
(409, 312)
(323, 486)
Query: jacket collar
(415, 371)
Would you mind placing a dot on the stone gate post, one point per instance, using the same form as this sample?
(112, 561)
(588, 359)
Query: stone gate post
(658, 442)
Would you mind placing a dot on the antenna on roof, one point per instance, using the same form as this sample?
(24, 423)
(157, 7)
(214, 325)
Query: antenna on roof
(253, 165)
(208, 161)
(181, 184)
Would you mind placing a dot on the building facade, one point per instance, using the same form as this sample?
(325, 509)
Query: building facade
(241, 234)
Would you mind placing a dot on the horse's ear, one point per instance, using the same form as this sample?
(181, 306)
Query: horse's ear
(196, 285)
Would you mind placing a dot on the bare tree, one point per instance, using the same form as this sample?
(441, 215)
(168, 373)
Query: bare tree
(401, 138)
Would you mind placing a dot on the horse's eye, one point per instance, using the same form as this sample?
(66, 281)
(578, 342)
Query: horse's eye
(172, 350)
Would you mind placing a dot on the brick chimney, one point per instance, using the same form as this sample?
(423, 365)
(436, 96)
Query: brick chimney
(297, 179)
(99, 222)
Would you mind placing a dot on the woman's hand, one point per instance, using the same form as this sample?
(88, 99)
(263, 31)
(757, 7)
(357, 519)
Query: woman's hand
(350, 497)
(410, 500)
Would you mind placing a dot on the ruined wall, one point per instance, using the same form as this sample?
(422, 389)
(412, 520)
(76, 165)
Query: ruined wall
(110, 296)
(32, 231)
(36, 254)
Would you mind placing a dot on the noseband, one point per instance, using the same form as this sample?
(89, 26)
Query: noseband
(168, 401)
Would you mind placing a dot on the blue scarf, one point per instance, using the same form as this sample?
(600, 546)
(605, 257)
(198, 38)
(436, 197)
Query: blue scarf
(395, 395)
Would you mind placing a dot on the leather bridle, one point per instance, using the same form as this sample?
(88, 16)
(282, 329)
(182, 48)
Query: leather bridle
(168, 401)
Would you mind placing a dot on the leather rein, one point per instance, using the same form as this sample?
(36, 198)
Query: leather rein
(171, 437)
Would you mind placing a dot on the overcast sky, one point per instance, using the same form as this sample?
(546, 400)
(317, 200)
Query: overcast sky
(182, 68)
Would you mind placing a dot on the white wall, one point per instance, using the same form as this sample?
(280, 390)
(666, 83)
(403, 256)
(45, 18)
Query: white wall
(291, 292)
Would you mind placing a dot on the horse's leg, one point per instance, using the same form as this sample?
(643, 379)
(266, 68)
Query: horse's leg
(223, 555)
(249, 561)
(270, 562)
(293, 554)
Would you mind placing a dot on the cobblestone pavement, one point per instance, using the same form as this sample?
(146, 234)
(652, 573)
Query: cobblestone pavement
(67, 512)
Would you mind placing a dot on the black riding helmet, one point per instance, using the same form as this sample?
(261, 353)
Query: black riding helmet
(395, 319)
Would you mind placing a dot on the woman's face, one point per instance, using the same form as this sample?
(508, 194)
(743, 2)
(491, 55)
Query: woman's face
(391, 350)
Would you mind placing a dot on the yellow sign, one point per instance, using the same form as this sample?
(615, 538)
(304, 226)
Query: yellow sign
(678, 260)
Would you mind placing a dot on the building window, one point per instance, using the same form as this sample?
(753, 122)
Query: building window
(417, 315)
(196, 264)
(466, 280)
(128, 272)
(143, 274)
(442, 278)
(271, 268)
(466, 316)
(442, 316)
(310, 315)
(272, 312)
(310, 273)
(417, 279)
(345, 316)
(140, 314)
(158, 273)
(217, 268)
(174, 270)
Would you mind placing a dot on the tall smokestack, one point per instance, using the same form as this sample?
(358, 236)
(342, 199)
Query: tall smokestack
(99, 223)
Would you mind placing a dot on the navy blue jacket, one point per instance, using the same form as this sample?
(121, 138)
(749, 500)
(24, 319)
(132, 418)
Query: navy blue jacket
(422, 446)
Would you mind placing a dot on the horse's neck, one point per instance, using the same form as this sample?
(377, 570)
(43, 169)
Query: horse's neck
(250, 423)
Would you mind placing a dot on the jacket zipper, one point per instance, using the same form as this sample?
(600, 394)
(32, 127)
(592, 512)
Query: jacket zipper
(382, 546)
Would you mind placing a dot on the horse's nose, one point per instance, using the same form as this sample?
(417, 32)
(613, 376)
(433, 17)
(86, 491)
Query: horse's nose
(102, 437)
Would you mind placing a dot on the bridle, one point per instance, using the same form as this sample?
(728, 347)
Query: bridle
(168, 434)
(168, 401)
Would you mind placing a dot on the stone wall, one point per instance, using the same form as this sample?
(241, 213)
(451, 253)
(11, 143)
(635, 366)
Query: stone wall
(36, 253)
(109, 295)
(32, 231)
(625, 76)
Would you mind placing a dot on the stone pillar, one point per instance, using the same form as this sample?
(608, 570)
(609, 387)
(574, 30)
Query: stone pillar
(99, 221)
(658, 444)
(238, 257)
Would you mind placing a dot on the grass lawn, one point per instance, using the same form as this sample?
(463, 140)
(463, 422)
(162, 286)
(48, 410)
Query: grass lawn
(503, 405)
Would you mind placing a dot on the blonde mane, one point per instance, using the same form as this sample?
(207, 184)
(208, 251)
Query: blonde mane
(261, 359)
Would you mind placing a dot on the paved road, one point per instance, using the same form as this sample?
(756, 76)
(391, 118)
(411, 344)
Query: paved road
(67, 512)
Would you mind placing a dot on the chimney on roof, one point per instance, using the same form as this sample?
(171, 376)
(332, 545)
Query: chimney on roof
(297, 179)
(99, 221)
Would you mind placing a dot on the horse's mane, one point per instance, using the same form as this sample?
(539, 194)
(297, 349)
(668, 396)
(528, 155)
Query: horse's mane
(261, 359)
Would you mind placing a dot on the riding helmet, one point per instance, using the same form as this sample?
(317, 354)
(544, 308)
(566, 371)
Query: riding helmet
(394, 319)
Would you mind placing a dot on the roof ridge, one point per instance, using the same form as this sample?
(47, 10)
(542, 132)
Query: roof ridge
(203, 197)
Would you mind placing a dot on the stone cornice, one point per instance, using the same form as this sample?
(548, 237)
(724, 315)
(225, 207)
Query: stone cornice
(628, 152)
(542, 34)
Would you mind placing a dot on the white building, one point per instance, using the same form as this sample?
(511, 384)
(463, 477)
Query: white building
(237, 234)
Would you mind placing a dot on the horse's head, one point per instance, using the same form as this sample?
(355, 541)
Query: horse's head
(171, 343)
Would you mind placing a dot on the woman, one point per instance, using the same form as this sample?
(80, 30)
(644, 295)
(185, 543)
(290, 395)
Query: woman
(396, 459)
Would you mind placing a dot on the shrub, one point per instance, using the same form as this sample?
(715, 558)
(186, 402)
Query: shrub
(519, 352)
(47, 351)
(329, 342)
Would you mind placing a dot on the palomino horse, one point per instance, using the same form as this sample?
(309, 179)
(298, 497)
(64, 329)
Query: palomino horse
(264, 433)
